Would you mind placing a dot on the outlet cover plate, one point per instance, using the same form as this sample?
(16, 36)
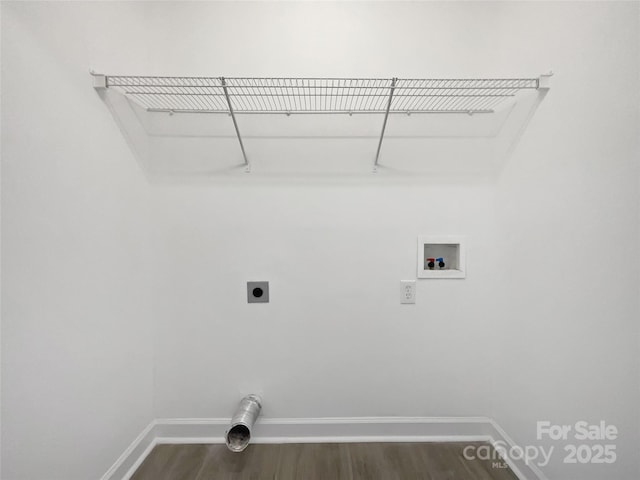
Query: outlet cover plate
(407, 291)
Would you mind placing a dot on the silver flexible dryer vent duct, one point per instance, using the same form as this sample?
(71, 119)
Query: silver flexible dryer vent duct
(239, 433)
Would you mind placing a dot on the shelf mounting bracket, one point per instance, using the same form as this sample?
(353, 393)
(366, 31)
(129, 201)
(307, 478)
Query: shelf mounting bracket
(99, 80)
(235, 123)
(384, 123)
(544, 80)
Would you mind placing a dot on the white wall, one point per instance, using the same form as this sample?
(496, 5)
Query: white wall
(334, 341)
(76, 325)
(335, 250)
(568, 211)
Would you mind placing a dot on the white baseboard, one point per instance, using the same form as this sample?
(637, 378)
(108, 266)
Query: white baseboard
(133, 456)
(319, 430)
(522, 469)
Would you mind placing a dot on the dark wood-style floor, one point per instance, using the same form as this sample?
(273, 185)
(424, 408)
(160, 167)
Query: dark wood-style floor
(322, 461)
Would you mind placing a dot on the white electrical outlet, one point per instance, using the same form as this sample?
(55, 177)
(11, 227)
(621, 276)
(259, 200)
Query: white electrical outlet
(407, 291)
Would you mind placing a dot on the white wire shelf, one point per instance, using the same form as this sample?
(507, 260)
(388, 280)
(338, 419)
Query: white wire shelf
(385, 96)
(318, 95)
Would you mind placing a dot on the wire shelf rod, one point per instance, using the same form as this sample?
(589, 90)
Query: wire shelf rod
(384, 123)
(310, 112)
(515, 84)
(216, 80)
(293, 95)
(235, 123)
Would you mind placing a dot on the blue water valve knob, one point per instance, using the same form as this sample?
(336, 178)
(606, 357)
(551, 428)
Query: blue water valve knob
(440, 262)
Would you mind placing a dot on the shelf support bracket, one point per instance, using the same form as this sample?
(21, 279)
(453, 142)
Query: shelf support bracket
(235, 124)
(384, 123)
(99, 80)
(544, 80)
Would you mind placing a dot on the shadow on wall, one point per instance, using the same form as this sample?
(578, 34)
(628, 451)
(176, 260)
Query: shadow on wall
(183, 147)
